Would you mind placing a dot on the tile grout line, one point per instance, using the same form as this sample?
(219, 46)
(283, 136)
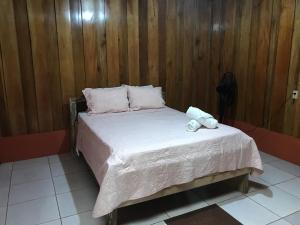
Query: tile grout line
(264, 207)
(9, 187)
(284, 181)
(277, 167)
(281, 217)
(274, 185)
(54, 191)
(295, 196)
(39, 179)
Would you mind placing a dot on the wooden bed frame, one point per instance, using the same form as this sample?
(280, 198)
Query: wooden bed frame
(239, 177)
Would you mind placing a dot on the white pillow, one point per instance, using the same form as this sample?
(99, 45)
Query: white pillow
(101, 100)
(145, 97)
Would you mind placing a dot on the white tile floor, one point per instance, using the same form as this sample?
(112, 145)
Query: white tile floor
(59, 190)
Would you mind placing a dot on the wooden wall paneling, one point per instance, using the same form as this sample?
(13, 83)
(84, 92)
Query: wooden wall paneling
(89, 24)
(215, 60)
(78, 48)
(11, 69)
(229, 11)
(4, 128)
(296, 130)
(113, 12)
(133, 42)
(196, 86)
(54, 67)
(271, 61)
(153, 55)
(179, 55)
(45, 63)
(201, 61)
(123, 44)
(242, 40)
(101, 42)
(162, 10)
(252, 58)
(187, 54)
(52, 49)
(26, 65)
(65, 50)
(171, 40)
(143, 41)
(281, 69)
(228, 45)
(261, 68)
(291, 116)
(94, 39)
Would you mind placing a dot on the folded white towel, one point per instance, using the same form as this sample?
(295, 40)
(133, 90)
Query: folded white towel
(193, 126)
(195, 113)
(210, 123)
(202, 117)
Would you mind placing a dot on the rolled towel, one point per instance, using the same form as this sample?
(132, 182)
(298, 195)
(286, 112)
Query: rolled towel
(210, 123)
(202, 117)
(193, 126)
(195, 113)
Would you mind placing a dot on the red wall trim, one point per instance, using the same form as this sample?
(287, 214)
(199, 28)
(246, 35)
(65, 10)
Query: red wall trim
(33, 145)
(277, 144)
(43, 144)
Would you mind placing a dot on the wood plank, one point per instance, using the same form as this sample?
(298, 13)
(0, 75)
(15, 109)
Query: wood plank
(296, 130)
(201, 61)
(179, 55)
(229, 34)
(228, 43)
(171, 30)
(262, 56)
(215, 54)
(46, 65)
(291, 115)
(112, 39)
(133, 41)
(94, 32)
(78, 49)
(271, 61)
(162, 14)
(252, 58)
(123, 43)
(53, 69)
(187, 55)
(65, 50)
(4, 127)
(26, 65)
(89, 20)
(101, 42)
(11, 69)
(281, 69)
(244, 15)
(153, 55)
(143, 41)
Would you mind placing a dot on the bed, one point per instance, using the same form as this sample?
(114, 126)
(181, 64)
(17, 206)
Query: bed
(142, 155)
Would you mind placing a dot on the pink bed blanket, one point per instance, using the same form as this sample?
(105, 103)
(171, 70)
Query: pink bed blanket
(136, 154)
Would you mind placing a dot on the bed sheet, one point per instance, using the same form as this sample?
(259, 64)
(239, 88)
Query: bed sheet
(136, 154)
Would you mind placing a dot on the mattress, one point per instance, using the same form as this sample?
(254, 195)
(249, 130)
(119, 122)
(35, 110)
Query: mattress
(136, 154)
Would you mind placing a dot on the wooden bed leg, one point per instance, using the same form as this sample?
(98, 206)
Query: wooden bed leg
(243, 184)
(112, 218)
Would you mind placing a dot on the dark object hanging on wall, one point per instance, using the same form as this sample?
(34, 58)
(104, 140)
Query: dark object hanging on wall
(227, 90)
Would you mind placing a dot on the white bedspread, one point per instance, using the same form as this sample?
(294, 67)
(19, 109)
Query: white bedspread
(136, 154)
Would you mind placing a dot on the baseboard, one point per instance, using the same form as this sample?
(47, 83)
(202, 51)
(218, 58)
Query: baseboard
(33, 145)
(43, 144)
(281, 145)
